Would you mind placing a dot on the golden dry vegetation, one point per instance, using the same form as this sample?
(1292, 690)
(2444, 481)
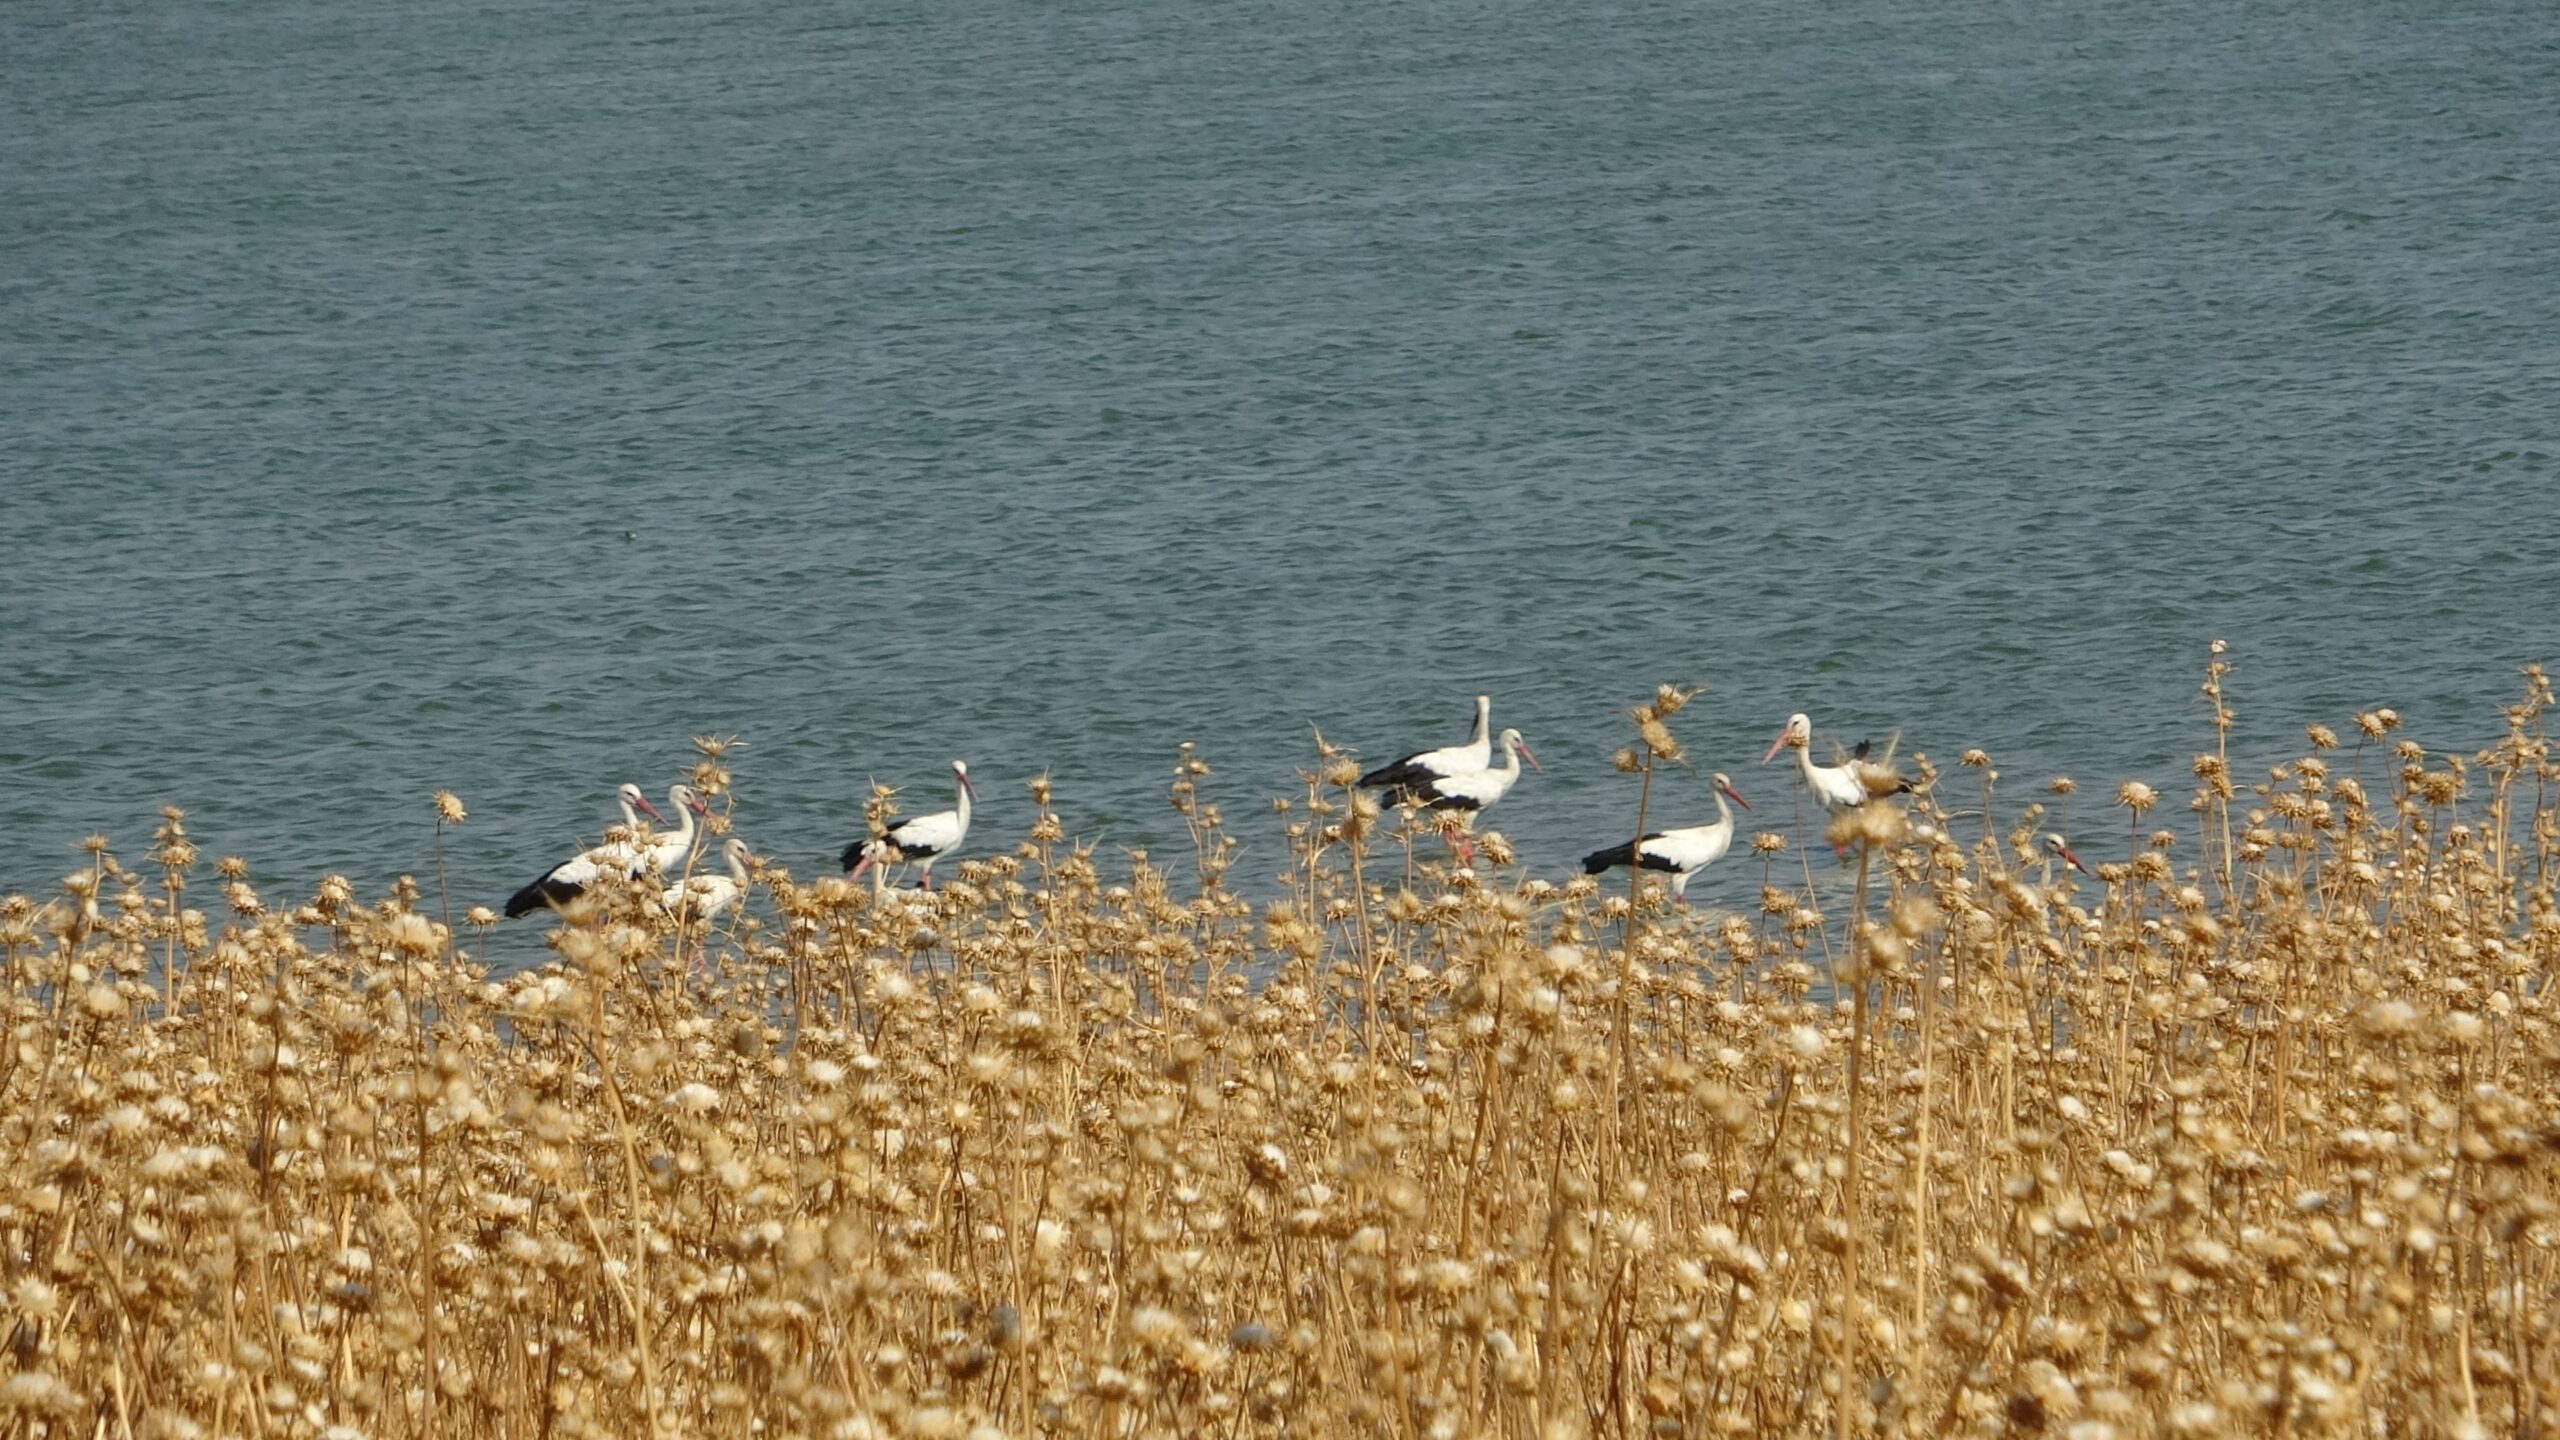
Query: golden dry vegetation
(2250, 1133)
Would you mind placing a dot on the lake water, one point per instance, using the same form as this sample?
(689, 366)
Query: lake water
(445, 394)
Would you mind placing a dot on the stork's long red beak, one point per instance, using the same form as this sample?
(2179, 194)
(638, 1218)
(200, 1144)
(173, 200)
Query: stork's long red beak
(651, 810)
(1736, 795)
(1532, 759)
(2071, 860)
(700, 805)
(1774, 747)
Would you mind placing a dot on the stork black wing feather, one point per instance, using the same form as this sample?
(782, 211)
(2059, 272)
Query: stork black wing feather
(1616, 855)
(543, 892)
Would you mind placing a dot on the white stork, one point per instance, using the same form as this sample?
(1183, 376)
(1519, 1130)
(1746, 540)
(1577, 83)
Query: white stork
(1413, 775)
(1836, 787)
(1463, 797)
(631, 857)
(706, 896)
(1681, 852)
(920, 841)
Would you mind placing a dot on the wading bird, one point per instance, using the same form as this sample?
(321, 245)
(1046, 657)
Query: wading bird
(705, 897)
(1414, 774)
(1463, 797)
(920, 841)
(1683, 853)
(1836, 787)
(631, 857)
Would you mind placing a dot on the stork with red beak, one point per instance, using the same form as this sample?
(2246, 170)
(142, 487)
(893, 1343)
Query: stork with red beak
(1836, 787)
(2060, 849)
(1683, 853)
(632, 857)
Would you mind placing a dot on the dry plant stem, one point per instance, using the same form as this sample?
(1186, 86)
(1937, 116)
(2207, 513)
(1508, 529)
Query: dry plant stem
(1621, 1044)
(1859, 953)
(641, 1311)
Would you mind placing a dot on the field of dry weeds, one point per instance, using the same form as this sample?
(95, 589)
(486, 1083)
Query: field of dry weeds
(2251, 1131)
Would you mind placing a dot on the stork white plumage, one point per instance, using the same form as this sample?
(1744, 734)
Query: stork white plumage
(1836, 787)
(1461, 798)
(920, 841)
(1683, 852)
(707, 896)
(672, 850)
(1411, 776)
(632, 857)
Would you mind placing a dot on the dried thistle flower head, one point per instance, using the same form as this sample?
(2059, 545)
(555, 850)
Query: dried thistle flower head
(2136, 796)
(2322, 737)
(449, 808)
(1977, 758)
(2062, 785)
(1657, 737)
(1767, 842)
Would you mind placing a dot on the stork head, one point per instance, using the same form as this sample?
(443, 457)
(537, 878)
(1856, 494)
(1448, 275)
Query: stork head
(2062, 851)
(1724, 783)
(1511, 741)
(632, 797)
(1799, 731)
(686, 796)
(960, 772)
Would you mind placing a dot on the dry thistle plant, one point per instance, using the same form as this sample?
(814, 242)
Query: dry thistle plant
(2254, 1131)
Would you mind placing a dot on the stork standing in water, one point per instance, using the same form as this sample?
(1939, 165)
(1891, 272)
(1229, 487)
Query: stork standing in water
(1837, 787)
(1465, 796)
(632, 857)
(1412, 776)
(1681, 852)
(707, 896)
(920, 841)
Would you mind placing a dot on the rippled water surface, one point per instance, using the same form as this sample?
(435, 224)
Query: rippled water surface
(441, 394)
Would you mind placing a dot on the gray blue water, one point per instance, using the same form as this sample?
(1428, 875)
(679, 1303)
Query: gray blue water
(447, 394)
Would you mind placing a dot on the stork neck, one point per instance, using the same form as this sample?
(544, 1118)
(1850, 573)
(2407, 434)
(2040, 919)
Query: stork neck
(1804, 758)
(738, 868)
(960, 807)
(1724, 813)
(1484, 714)
(1511, 760)
(684, 819)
